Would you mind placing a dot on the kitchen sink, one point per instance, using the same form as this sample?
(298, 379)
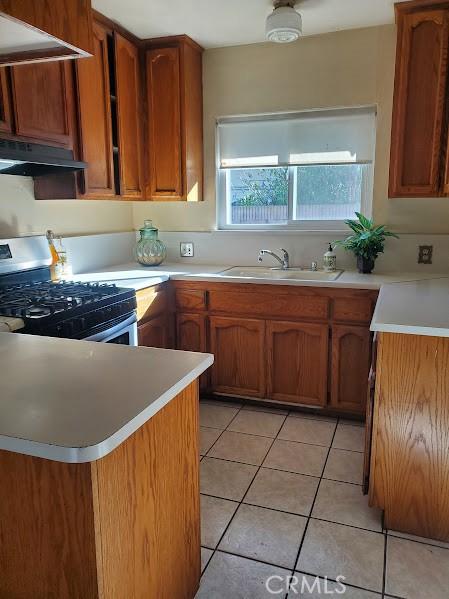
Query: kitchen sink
(290, 274)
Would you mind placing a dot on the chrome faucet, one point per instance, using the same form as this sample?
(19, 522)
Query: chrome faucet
(284, 261)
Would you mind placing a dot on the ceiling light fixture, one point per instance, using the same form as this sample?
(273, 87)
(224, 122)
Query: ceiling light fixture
(284, 24)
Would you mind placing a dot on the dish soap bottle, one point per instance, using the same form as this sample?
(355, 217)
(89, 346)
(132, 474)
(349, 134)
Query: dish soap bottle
(330, 260)
(54, 255)
(63, 268)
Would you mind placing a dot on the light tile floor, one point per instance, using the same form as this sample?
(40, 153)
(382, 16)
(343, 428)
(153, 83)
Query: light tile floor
(281, 498)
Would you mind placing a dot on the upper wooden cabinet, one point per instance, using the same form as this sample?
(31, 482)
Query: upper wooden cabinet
(175, 128)
(5, 106)
(37, 104)
(419, 128)
(95, 122)
(43, 101)
(129, 116)
(34, 30)
(110, 113)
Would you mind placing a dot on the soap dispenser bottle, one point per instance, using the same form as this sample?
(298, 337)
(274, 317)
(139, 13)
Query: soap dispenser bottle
(330, 260)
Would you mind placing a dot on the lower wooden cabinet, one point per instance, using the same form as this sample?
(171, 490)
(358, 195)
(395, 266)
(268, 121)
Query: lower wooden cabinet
(304, 346)
(297, 362)
(350, 363)
(191, 336)
(238, 344)
(154, 333)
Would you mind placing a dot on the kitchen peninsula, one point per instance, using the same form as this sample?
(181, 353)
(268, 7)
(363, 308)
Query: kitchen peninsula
(409, 474)
(99, 468)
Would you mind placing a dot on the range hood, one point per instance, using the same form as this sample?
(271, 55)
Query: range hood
(35, 160)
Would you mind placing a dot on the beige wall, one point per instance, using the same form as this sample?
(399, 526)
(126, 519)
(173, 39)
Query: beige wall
(348, 68)
(21, 214)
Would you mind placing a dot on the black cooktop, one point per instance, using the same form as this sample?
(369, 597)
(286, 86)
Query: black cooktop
(67, 309)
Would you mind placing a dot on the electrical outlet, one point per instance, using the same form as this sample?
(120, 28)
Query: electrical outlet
(186, 249)
(425, 254)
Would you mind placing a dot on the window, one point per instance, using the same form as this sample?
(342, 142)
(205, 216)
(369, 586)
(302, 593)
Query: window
(310, 170)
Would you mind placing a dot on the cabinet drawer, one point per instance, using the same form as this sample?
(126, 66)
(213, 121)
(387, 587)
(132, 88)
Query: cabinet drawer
(191, 299)
(151, 302)
(269, 305)
(347, 309)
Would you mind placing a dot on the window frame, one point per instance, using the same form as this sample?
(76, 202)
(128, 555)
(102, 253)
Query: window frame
(223, 189)
(224, 205)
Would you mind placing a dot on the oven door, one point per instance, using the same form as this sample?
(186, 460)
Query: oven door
(123, 333)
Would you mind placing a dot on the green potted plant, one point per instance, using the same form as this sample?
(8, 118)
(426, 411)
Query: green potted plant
(367, 241)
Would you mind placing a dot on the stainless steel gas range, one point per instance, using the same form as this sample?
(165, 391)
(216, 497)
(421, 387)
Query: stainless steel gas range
(88, 311)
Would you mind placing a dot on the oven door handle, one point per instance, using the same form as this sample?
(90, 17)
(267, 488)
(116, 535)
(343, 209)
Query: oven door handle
(115, 331)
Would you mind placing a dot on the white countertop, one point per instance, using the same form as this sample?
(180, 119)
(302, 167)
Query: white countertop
(76, 401)
(414, 308)
(139, 277)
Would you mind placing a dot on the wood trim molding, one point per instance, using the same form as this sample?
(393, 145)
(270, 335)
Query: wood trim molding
(403, 8)
(171, 40)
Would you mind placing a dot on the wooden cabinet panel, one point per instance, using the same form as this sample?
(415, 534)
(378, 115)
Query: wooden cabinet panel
(410, 450)
(351, 354)
(129, 115)
(191, 336)
(297, 362)
(349, 309)
(267, 304)
(95, 118)
(191, 299)
(154, 333)
(419, 102)
(191, 332)
(164, 117)
(5, 107)
(238, 344)
(42, 102)
(151, 302)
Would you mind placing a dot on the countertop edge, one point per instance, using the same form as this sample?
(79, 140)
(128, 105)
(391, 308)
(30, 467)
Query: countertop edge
(81, 455)
(402, 329)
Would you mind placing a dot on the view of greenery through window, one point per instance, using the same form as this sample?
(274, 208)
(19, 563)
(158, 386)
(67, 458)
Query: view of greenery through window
(323, 192)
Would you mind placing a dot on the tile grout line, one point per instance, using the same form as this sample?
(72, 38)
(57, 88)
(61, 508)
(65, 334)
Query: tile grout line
(289, 471)
(216, 440)
(311, 507)
(308, 518)
(241, 502)
(379, 532)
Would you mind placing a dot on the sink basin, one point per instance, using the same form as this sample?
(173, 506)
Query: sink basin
(291, 274)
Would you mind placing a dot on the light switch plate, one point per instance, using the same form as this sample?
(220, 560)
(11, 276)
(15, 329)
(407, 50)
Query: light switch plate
(186, 249)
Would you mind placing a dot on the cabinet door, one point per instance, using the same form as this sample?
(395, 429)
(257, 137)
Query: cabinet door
(154, 333)
(94, 106)
(164, 122)
(297, 362)
(42, 102)
(191, 336)
(5, 108)
(191, 332)
(238, 345)
(351, 354)
(419, 103)
(129, 116)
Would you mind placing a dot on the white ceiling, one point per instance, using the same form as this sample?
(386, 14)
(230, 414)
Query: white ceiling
(215, 23)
